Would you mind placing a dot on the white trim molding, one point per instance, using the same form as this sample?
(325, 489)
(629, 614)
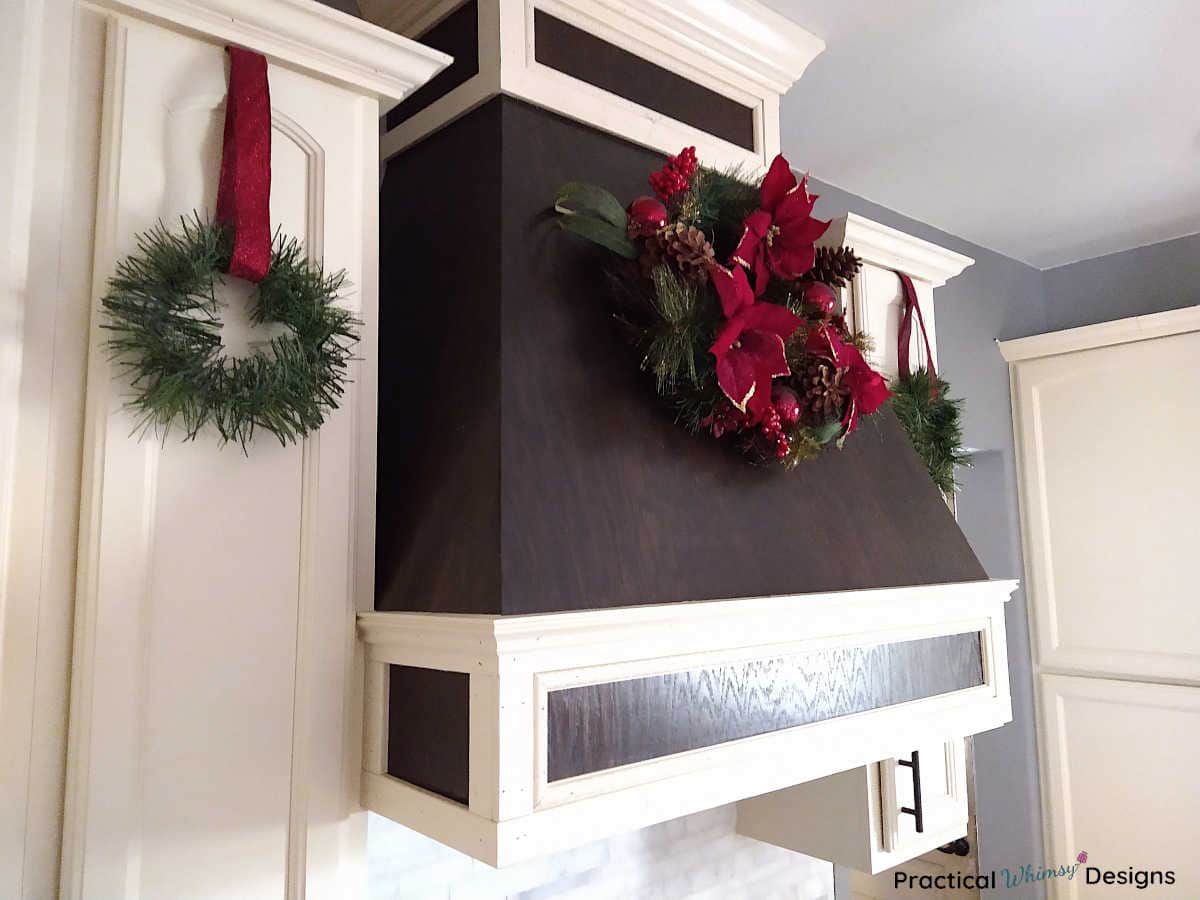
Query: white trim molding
(1104, 334)
(890, 248)
(514, 662)
(737, 48)
(303, 34)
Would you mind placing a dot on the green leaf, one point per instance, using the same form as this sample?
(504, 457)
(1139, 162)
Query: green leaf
(577, 197)
(823, 434)
(600, 232)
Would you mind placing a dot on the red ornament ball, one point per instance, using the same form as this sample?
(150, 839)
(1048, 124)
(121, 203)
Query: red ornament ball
(646, 215)
(787, 405)
(820, 295)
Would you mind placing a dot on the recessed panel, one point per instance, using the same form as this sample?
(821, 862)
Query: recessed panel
(581, 55)
(601, 726)
(1111, 492)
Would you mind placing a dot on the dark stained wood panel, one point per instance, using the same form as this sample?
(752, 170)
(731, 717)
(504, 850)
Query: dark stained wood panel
(605, 501)
(525, 464)
(577, 53)
(429, 717)
(600, 726)
(437, 544)
(458, 35)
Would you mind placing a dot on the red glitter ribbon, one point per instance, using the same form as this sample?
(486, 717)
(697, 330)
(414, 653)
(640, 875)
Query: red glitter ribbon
(244, 192)
(912, 306)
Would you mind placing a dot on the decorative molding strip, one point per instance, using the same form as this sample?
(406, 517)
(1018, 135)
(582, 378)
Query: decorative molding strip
(480, 643)
(890, 248)
(301, 33)
(516, 662)
(737, 48)
(1103, 334)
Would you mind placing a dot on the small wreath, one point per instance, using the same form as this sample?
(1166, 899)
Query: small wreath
(162, 311)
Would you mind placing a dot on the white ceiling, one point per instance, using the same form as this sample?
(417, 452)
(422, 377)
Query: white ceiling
(1047, 130)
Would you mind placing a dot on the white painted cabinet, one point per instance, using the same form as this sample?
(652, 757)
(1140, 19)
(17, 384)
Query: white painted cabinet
(1109, 491)
(217, 689)
(856, 818)
(874, 301)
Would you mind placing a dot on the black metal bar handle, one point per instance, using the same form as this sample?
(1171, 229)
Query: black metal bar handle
(917, 811)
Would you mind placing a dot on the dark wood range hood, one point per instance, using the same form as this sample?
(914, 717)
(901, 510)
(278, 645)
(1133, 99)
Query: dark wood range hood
(558, 650)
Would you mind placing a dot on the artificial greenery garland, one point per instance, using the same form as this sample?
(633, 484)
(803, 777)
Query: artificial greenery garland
(162, 311)
(933, 422)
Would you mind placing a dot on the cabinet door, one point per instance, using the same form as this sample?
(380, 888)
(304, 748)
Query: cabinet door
(854, 818)
(877, 306)
(943, 781)
(214, 706)
(1120, 782)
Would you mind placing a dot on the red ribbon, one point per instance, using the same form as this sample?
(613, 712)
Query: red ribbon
(911, 305)
(244, 192)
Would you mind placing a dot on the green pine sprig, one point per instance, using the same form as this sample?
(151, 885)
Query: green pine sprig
(934, 424)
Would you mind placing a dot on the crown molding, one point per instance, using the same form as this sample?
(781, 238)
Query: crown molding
(736, 48)
(304, 34)
(890, 248)
(737, 35)
(1103, 334)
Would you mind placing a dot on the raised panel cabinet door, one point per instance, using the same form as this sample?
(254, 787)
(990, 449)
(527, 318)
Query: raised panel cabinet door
(1109, 491)
(877, 307)
(943, 799)
(215, 703)
(1120, 782)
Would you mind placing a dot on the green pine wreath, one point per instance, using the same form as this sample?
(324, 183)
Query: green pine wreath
(163, 314)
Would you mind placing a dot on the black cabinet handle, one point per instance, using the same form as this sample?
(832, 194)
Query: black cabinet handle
(916, 810)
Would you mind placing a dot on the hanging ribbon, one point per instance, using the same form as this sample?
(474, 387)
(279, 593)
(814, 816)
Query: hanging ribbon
(911, 306)
(244, 191)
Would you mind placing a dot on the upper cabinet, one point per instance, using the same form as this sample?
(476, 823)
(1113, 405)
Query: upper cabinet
(874, 301)
(216, 696)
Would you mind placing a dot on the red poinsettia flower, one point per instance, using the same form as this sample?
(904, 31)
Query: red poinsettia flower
(868, 389)
(732, 287)
(778, 237)
(749, 353)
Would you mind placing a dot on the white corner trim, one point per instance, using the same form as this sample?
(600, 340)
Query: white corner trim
(1103, 334)
(302, 33)
(891, 248)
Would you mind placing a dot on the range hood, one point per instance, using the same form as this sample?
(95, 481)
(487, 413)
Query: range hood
(588, 621)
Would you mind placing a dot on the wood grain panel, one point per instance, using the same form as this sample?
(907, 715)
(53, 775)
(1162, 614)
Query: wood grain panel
(577, 53)
(600, 726)
(428, 729)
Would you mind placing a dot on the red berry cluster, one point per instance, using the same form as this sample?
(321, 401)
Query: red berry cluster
(675, 175)
(772, 431)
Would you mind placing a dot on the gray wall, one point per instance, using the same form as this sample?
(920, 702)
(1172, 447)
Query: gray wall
(1145, 280)
(997, 297)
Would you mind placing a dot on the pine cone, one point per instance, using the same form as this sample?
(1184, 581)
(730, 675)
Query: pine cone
(835, 266)
(824, 393)
(689, 249)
